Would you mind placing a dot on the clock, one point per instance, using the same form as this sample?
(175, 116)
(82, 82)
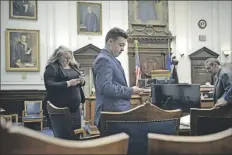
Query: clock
(202, 24)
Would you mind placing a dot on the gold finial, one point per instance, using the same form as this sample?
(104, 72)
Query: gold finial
(136, 43)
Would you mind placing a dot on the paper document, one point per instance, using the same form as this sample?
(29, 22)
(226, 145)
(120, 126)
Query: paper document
(28, 65)
(185, 120)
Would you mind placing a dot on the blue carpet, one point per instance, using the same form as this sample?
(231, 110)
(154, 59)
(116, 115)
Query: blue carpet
(48, 132)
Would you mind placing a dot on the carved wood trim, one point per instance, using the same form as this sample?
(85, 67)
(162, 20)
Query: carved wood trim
(145, 108)
(86, 50)
(197, 62)
(152, 45)
(153, 38)
(202, 54)
(86, 55)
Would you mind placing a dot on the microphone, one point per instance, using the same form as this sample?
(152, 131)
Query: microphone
(166, 102)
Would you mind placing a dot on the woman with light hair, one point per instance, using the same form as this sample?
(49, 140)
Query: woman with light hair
(63, 83)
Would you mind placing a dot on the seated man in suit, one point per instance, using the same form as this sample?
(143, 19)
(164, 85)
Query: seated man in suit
(112, 91)
(223, 81)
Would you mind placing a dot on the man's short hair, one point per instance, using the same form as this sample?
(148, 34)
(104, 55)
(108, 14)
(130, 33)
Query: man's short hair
(114, 33)
(23, 34)
(212, 61)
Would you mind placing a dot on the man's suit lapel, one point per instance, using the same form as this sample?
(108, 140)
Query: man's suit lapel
(215, 89)
(216, 84)
(118, 64)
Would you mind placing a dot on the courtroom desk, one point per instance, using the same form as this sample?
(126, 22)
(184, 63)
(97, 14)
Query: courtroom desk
(184, 130)
(207, 103)
(90, 106)
(135, 101)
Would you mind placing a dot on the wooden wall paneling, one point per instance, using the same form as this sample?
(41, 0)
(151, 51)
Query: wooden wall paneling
(13, 100)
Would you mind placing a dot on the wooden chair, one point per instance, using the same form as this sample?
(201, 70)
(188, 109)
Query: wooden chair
(12, 118)
(138, 122)
(33, 112)
(61, 123)
(21, 140)
(207, 121)
(218, 143)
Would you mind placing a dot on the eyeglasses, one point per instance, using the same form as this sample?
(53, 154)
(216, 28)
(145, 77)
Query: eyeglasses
(67, 58)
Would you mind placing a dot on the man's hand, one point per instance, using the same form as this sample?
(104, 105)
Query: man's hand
(18, 61)
(28, 52)
(137, 90)
(221, 103)
(26, 6)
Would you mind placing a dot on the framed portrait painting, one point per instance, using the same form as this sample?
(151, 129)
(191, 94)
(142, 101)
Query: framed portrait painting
(148, 12)
(22, 50)
(23, 9)
(89, 18)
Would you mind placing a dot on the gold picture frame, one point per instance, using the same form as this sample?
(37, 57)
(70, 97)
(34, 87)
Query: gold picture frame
(33, 102)
(89, 18)
(22, 50)
(27, 10)
(148, 12)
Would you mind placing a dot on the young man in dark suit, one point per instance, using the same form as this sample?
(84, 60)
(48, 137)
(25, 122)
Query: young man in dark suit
(112, 91)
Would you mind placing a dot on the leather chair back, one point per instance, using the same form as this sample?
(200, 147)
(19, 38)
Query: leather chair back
(207, 121)
(138, 122)
(60, 119)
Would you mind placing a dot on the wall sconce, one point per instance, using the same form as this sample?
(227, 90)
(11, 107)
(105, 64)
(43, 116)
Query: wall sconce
(226, 53)
(181, 54)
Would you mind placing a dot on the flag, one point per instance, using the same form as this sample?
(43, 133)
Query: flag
(169, 64)
(137, 64)
(169, 61)
(175, 75)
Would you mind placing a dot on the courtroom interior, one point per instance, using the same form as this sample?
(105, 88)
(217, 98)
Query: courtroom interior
(116, 77)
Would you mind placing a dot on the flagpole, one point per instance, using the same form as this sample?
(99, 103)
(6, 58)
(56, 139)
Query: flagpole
(136, 49)
(136, 56)
(172, 66)
(169, 55)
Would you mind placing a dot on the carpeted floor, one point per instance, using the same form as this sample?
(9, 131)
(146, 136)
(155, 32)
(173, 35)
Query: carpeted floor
(48, 132)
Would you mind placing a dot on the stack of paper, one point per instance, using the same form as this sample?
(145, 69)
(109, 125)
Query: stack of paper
(185, 120)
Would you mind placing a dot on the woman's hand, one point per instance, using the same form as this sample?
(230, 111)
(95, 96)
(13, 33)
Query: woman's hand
(82, 80)
(73, 82)
(81, 111)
